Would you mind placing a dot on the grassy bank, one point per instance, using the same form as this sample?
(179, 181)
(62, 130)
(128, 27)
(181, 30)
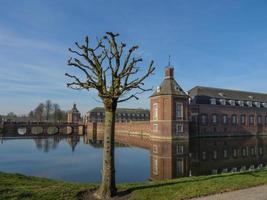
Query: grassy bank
(15, 186)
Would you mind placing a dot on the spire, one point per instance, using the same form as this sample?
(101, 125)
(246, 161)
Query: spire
(169, 63)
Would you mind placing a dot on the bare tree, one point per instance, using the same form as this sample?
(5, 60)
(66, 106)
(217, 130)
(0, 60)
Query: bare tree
(39, 112)
(56, 111)
(48, 109)
(115, 75)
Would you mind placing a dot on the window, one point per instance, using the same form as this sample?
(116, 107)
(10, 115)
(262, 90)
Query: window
(203, 119)
(232, 102)
(235, 153)
(243, 119)
(213, 101)
(259, 119)
(265, 120)
(179, 128)
(241, 103)
(249, 103)
(179, 110)
(257, 104)
(155, 166)
(223, 102)
(224, 119)
(179, 149)
(225, 153)
(214, 154)
(251, 119)
(155, 148)
(214, 118)
(204, 155)
(155, 111)
(260, 151)
(155, 127)
(234, 119)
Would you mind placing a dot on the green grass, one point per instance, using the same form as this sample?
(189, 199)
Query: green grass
(16, 186)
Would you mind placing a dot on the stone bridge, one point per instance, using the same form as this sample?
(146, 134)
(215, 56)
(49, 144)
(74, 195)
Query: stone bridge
(14, 129)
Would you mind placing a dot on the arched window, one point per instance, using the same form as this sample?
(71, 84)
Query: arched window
(259, 119)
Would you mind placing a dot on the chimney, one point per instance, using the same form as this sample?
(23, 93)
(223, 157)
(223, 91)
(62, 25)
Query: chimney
(169, 72)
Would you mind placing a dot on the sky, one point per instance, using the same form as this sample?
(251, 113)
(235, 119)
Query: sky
(211, 43)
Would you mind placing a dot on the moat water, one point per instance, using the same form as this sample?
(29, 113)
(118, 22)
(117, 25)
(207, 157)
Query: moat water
(70, 159)
(79, 159)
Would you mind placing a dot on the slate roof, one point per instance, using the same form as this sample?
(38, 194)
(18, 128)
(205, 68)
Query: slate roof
(122, 110)
(169, 87)
(227, 94)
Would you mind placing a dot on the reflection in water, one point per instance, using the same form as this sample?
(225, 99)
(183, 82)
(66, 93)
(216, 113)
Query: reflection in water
(168, 159)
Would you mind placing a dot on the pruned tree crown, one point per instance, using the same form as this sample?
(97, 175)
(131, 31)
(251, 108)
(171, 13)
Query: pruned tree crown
(108, 70)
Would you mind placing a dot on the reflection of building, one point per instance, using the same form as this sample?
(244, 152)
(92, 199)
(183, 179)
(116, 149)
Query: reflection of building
(214, 155)
(122, 115)
(216, 111)
(73, 141)
(73, 115)
(169, 159)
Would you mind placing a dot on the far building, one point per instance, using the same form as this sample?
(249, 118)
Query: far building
(74, 115)
(122, 115)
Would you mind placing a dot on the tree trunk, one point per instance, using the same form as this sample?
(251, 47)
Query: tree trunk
(108, 187)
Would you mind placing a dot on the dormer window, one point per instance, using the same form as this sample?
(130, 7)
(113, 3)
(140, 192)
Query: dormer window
(213, 101)
(249, 103)
(257, 104)
(241, 103)
(221, 94)
(232, 102)
(251, 97)
(223, 102)
(264, 105)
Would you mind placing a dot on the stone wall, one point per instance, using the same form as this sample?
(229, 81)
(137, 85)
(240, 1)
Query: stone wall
(132, 133)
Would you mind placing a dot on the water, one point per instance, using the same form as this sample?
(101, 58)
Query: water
(79, 159)
(70, 159)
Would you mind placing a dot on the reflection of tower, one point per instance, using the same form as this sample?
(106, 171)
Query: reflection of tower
(169, 159)
(73, 141)
(169, 125)
(73, 115)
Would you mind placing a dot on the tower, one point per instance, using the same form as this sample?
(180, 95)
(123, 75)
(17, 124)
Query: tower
(73, 115)
(169, 109)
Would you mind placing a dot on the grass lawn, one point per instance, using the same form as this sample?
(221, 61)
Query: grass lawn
(16, 186)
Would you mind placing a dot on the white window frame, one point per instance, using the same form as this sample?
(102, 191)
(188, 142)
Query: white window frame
(179, 111)
(155, 111)
(213, 101)
(155, 166)
(155, 128)
(181, 129)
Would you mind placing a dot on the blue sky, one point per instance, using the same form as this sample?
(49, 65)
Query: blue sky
(212, 43)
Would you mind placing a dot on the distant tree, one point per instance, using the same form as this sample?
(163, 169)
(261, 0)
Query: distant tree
(31, 115)
(56, 112)
(11, 116)
(39, 112)
(114, 74)
(48, 109)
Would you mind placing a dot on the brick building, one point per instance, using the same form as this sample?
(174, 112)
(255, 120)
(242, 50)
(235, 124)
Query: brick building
(73, 115)
(122, 115)
(220, 112)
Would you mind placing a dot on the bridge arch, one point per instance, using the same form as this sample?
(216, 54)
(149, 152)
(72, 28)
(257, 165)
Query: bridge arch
(37, 130)
(52, 130)
(22, 130)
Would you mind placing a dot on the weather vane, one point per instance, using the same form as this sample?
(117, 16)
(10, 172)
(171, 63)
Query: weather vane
(169, 60)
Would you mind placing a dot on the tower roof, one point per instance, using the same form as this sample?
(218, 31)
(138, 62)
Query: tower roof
(74, 109)
(169, 86)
